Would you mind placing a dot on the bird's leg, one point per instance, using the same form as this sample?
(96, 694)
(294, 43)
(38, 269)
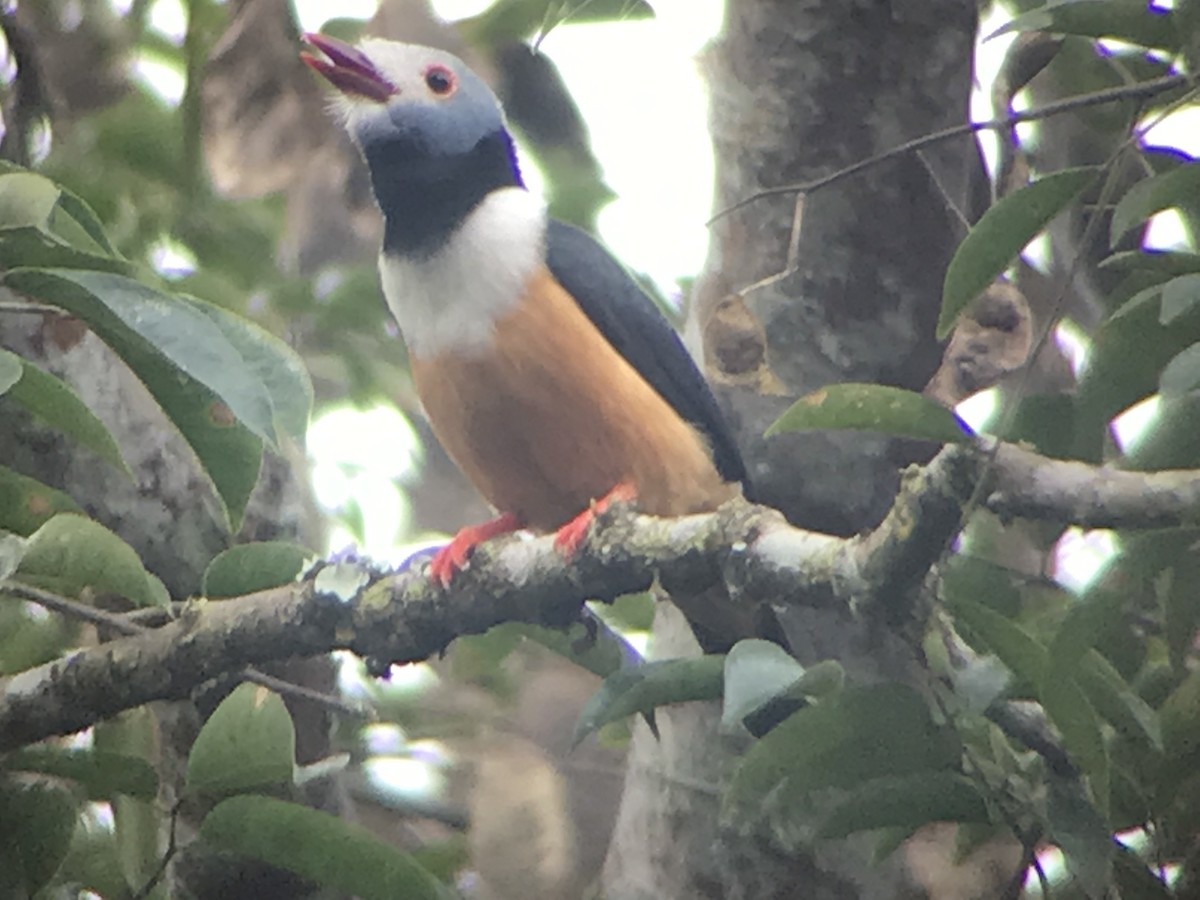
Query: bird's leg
(568, 538)
(453, 557)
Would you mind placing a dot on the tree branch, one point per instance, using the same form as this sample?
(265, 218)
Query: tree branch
(750, 550)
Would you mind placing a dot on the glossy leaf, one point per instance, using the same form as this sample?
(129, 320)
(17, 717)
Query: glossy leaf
(56, 404)
(643, 688)
(229, 452)
(35, 833)
(247, 568)
(330, 851)
(26, 504)
(873, 407)
(859, 734)
(102, 773)
(1153, 195)
(909, 802)
(276, 365)
(1119, 19)
(248, 742)
(1001, 234)
(72, 553)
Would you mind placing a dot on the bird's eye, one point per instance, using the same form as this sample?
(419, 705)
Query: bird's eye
(439, 79)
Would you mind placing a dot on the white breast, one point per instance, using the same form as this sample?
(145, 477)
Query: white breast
(451, 300)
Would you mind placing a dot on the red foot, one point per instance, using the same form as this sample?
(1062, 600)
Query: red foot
(450, 559)
(568, 538)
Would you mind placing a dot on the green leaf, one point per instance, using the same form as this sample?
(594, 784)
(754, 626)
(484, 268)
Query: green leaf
(176, 328)
(93, 863)
(12, 548)
(26, 504)
(861, 733)
(1072, 713)
(72, 553)
(1081, 833)
(1116, 701)
(315, 845)
(1153, 195)
(10, 370)
(74, 206)
(1179, 295)
(32, 246)
(138, 823)
(641, 689)
(873, 407)
(1181, 374)
(1164, 264)
(277, 366)
(1087, 618)
(1134, 23)
(910, 801)
(101, 772)
(247, 568)
(1181, 609)
(755, 672)
(229, 452)
(1017, 649)
(1001, 234)
(1180, 717)
(54, 402)
(248, 742)
(35, 834)
(26, 200)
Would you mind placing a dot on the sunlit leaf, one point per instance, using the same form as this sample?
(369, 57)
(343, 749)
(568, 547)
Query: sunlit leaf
(873, 407)
(248, 742)
(1001, 234)
(56, 404)
(247, 568)
(643, 688)
(11, 370)
(316, 845)
(26, 200)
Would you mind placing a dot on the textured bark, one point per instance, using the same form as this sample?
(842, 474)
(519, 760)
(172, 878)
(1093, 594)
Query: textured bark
(801, 88)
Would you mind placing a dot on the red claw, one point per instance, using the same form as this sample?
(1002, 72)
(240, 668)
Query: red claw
(568, 538)
(452, 558)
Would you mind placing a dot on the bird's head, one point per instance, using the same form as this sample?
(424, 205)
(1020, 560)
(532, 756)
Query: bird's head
(409, 98)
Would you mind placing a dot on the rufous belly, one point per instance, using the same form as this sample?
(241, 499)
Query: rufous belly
(553, 417)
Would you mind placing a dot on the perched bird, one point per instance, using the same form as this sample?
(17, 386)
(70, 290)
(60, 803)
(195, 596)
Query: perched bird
(548, 375)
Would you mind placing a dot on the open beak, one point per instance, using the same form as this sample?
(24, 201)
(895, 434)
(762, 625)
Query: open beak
(347, 68)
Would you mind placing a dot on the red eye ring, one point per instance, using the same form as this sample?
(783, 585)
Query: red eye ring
(440, 80)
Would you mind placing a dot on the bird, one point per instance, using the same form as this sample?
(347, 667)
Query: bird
(548, 375)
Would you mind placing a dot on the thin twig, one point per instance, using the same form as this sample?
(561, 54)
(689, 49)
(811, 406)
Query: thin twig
(1109, 95)
(168, 855)
(793, 255)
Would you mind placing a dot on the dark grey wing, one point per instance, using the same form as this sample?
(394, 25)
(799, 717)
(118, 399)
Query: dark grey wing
(640, 332)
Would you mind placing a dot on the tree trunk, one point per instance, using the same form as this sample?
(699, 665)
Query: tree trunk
(799, 90)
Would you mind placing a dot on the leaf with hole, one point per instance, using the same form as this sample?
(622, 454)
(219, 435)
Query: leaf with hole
(55, 403)
(336, 854)
(248, 742)
(1001, 234)
(873, 407)
(641, 689)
